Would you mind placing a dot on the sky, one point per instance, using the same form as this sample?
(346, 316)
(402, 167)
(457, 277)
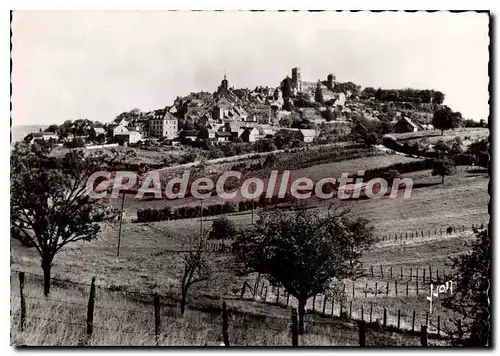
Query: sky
(97, 64)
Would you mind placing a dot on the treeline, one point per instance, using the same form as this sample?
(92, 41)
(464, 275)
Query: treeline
(480, 159)
(190, 212)
(404, 95)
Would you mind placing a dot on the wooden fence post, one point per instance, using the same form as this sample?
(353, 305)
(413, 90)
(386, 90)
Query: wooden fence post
(387, 289)
(333, 304)
(399, 318)
(426, 319)
(156, 302)
(376, 289)
(413, 322)
(324, 304)
(371, 268)
(295, 330)
(381, 271)
(287, 298)
(416, 274)
(385, 317)
(423, 276)
(417, 286)
(423, 335)
(90, 308)
(396, 287)
(366, 289)
(314, 302)
(353, 290)
(256, 286)
(362, 333)
(439, 325)
(23, 301)
(411, 273)
(350, 309)
(262, 288)
(225, 324)
(243, 290)
(391, 272)
(401, 272)
(406, 288)
(371, 311)
(362, 313)
(430, 273)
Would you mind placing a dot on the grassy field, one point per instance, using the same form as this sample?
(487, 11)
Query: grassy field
(127, 319)
(150, 261)
(467, 135)
(317, 172)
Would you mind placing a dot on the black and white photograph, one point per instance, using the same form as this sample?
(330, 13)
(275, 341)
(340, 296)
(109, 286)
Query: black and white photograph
(228, 179)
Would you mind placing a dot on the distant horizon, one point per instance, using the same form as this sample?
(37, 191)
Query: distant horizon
(97, 64)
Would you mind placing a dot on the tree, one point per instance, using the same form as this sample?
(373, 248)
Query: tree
(303, 252)
(445, 119)
(371, 139)
(443, 167)
(470, 299)
(49, 203)
(438, 97)
(65, 129)
(196, 269)
(52, 128)
(318, 95)
(222, 228)
(100, 139)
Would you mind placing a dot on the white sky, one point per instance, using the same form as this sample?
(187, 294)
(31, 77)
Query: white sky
(96, 64)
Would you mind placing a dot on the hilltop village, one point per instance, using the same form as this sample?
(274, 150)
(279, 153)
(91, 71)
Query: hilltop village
(294, 113)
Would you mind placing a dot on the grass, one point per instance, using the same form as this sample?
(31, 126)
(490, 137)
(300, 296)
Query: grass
(150, 261)
(122, 319)
(472, 132)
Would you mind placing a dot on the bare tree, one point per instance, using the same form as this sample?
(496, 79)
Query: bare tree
(196, 268)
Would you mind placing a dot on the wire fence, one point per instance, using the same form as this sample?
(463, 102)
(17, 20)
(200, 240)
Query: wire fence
(396, 236)
(87, 318)
(358, 307)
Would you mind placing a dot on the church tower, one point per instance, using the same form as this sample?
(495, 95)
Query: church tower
(297, 79)
(224, 84)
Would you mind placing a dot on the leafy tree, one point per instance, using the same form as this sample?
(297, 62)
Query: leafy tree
(196, 269)
(441, 147)
(65, 129)
(443, 167)
(478, 147)
(52, 128)
(438, 97)
(445, 119)
(470, 298)
(303, 252)
(285, 121)
(369, 92)
(222, 228)
(100, 139)
(371, 139)
(49, 203)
